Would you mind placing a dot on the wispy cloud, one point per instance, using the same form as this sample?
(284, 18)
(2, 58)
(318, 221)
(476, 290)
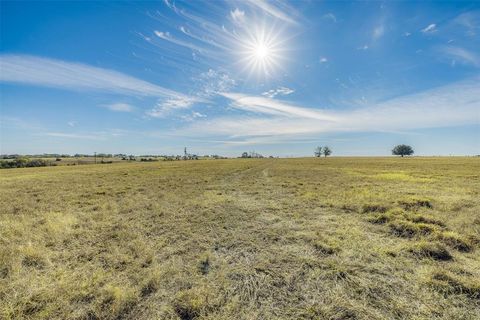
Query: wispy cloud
(462, 55)
(72, 123)
(274, 11)
(46, 72)
(213, 82)
(279, 91)
(166, 107)
(192, 116)
(451, 105)
(323, 60)
(330, 16)
(120, 107)
(470, 21)
(168, 37)
(274, 107)
(238, 16)
(378, 32)
(75, 136)
(431, 28)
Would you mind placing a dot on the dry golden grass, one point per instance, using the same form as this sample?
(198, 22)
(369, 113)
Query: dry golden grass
(335, 238)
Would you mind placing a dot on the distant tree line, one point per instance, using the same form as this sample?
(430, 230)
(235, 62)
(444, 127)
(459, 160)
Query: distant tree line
(24, 163)
(251, 154)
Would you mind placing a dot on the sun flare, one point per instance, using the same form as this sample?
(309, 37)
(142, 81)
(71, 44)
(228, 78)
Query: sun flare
(261, 51)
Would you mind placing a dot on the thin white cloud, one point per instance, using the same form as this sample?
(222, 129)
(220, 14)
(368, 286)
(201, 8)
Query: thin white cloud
(273, 10)
(274, 107)
(279, 91)
(74, 136)
(330, 16)
(323, 60)
(164, 108)
(71, 123)
(238, 16)
(462, 55)
(120, 107)
(431, 28)
(192, 116)
(212, 82)
(451, 105)
(168, 37)
(75, 76)
(470, 21)
(378, 32)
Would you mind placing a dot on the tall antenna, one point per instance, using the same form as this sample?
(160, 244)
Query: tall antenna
(185, 151)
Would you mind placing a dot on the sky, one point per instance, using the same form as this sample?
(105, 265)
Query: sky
(224, 77)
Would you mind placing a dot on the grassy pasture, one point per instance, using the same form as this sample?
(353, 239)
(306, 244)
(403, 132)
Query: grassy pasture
(334, 238)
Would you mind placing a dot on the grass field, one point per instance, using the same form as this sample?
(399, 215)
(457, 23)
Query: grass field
(334, 238)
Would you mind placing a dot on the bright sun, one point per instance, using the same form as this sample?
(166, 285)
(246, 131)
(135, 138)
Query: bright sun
(261, 50)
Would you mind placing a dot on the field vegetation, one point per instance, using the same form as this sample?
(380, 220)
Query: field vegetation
(313, 238)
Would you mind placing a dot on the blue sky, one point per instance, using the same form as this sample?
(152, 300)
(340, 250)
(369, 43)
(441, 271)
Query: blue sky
(225, 77)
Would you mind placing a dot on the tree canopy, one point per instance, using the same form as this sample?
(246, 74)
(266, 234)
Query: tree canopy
(402, 150)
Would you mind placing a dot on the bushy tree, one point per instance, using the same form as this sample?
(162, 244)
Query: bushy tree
(327, 151)
(402, 150)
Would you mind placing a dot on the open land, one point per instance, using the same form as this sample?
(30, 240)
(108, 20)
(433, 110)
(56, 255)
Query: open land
(329, 238)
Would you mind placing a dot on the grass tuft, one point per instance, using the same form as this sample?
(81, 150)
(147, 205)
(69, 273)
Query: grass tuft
(449, 283)
(118, 301)
(324, 248)
(190, 304)
(408, 229)
(366, 208)
(456, 241)
(415, 203)
(419, 218)
(33, 258)
(432, 250)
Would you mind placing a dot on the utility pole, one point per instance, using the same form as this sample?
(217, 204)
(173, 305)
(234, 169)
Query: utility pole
(95, 156)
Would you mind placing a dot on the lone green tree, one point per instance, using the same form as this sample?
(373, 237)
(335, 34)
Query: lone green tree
(327, 151)
(318, 151)
(402, 150)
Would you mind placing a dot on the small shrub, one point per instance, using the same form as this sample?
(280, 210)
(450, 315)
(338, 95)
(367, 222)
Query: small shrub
(204, 265)
(432, 250)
